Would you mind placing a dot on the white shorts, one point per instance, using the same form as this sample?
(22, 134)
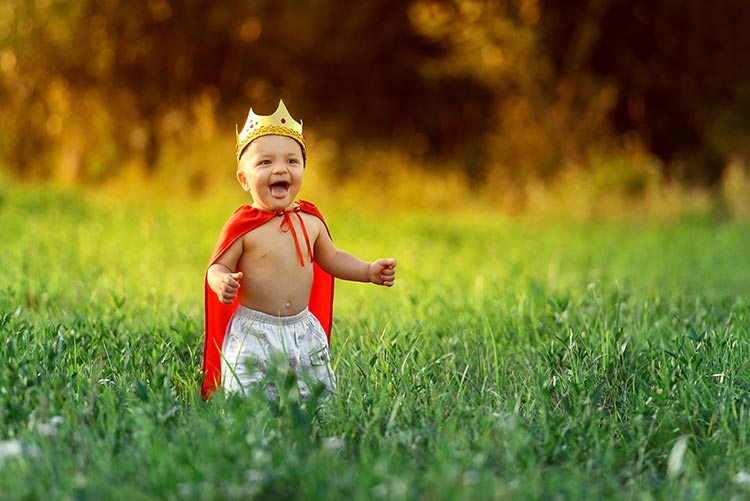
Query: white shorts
(254, 340)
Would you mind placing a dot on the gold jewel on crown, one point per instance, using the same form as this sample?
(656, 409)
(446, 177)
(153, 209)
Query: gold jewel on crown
(280, 123)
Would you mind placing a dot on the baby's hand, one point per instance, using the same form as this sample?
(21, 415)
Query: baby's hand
(228, 287)
(382, 272)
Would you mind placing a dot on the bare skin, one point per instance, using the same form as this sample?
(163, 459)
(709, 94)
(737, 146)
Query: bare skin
(268, 276)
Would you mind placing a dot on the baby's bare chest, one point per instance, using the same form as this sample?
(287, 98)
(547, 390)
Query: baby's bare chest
(276, 246)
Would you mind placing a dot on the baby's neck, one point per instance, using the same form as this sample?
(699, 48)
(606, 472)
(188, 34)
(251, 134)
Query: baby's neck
(294, 207)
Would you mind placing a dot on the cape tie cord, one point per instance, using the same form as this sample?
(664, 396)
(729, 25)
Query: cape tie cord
(286, 225)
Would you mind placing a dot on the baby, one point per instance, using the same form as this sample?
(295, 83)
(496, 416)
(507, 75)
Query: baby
(269, 285)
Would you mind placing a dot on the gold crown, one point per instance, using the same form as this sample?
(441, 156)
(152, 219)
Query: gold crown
(280, 123)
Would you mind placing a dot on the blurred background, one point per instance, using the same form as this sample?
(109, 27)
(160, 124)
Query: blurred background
(587, 107)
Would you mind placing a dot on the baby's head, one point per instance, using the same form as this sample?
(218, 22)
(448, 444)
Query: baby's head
(271, 159)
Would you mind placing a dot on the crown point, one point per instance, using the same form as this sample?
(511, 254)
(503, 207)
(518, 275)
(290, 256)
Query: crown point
(279, 123)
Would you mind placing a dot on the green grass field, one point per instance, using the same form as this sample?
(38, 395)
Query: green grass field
(513, 359)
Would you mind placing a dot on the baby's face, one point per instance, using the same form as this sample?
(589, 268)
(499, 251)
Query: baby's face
(271, 169)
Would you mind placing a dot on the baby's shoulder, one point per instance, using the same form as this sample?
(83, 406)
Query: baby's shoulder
(312, 222)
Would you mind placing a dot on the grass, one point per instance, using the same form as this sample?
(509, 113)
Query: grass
(514, 359)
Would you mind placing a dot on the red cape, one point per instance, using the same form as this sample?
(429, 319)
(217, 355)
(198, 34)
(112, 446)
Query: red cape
(243, 220)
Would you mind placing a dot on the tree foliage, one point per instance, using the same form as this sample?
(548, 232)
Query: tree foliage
(519, 86)
(681, 70)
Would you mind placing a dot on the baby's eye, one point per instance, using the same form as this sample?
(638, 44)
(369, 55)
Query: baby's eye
(293, 161)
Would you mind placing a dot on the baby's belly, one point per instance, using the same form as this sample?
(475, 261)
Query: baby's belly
(277, 295)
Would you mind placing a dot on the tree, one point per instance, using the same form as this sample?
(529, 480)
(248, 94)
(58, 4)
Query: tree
(355, 67)
(681, 69)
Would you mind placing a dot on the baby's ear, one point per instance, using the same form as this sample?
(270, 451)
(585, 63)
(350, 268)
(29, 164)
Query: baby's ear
(242, 179)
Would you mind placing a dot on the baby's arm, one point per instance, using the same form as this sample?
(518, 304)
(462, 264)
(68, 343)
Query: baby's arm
(343, 265)
(220, 275)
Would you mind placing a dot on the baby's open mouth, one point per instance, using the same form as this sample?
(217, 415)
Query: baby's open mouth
(280, 189)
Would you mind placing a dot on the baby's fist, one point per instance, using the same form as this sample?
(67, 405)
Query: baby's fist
(382, 272)
(228, 286)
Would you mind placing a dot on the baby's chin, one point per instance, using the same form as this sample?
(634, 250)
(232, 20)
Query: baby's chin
(273, 205)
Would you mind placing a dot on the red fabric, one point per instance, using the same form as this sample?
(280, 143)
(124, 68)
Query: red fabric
(243, 220)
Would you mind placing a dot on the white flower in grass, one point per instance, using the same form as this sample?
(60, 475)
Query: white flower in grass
(742, 478)
(51, 427)
(676, 457)
(255, 476)
(333, 443)
(10, 449)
